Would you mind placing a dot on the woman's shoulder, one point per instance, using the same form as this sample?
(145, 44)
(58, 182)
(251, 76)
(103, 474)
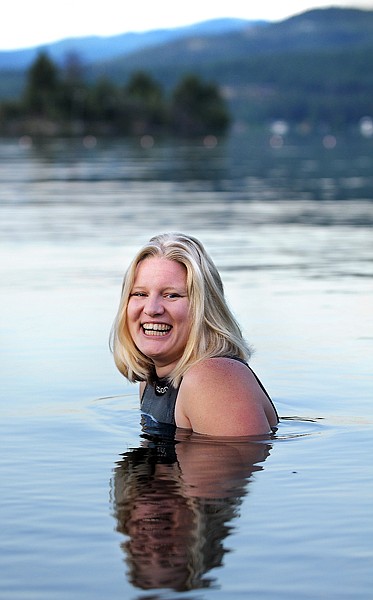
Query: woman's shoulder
(217, 368)
(221, 396)
(228, 374)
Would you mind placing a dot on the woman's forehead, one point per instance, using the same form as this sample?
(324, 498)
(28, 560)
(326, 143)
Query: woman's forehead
(157, 267)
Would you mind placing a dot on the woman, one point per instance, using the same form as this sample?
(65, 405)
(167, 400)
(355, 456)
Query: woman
(176, 335)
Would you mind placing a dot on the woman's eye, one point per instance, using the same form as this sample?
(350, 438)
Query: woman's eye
(173, 295)
(138, 294)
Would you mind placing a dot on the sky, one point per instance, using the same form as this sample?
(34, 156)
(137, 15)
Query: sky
(30, 23)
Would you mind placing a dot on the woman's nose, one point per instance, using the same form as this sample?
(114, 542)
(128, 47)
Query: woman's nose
(153, 306)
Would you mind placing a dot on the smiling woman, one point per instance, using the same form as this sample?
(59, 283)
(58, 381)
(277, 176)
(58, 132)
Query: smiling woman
(176, 335)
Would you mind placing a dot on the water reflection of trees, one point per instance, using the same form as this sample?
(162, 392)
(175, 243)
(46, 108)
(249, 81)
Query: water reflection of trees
(175, 501)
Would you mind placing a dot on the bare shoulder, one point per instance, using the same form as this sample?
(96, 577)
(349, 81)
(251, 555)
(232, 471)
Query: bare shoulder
(219, 367)
(224, 374)
(221, 396)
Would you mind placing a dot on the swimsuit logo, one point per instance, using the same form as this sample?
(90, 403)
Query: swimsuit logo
(161, 390)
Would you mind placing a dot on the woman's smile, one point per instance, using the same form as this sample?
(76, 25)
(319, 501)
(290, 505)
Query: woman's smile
(156, 329)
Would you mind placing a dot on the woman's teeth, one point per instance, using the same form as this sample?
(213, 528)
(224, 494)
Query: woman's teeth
(156, 328)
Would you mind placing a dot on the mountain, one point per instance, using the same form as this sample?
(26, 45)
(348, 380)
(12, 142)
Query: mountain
(96, 48)
(313, 31)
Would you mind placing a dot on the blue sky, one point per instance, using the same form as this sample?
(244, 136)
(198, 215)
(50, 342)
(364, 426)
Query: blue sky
(28, 23)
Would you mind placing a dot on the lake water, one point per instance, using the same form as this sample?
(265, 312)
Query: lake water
(91, 507)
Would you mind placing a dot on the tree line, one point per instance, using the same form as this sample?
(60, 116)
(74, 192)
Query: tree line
(59, 101)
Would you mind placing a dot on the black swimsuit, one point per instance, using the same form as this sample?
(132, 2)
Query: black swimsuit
(159, 399)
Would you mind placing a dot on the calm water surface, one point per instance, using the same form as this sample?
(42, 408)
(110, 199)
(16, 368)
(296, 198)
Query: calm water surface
(92, 506)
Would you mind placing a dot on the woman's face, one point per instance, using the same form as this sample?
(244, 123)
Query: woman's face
(158, 312)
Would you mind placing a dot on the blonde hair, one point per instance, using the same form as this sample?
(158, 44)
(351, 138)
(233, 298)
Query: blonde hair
(214, 330)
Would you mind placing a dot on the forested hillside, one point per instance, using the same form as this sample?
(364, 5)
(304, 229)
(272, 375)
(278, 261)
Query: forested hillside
(314, 68)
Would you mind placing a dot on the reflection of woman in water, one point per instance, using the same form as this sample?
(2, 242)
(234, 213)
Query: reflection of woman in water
(174, 500)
